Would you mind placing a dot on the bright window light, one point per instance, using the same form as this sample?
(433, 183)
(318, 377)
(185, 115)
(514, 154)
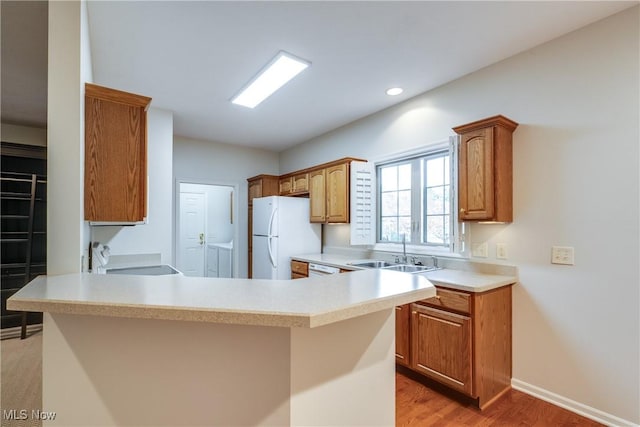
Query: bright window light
(272, 77)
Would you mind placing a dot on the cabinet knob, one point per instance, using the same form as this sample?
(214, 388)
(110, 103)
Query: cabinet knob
(462, 210)
(437, 297)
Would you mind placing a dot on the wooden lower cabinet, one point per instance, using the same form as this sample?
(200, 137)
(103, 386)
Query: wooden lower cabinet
(403, 331)
(441, 346)
(299, 269)
(460, 339)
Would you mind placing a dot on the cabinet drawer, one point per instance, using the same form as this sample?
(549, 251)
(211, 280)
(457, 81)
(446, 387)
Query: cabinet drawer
(297, 276)
(300, 267)
(450, 300)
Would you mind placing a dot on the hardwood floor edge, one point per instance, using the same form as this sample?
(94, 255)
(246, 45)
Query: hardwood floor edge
(571, 405)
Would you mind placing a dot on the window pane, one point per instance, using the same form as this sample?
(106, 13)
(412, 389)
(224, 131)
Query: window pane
(389, 229)
(389, 204)
(434, 200)
(404, 177)
(446, 170)
(404, 202)
(435, 230)
(389, 177)
(435, 172)
(447, 229)
(447, 199)
(404, 227)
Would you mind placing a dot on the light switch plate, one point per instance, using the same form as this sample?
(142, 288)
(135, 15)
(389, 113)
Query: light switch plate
(562, 255)
(480, 250)
(501, 250)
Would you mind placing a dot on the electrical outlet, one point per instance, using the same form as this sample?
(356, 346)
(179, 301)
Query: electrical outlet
(480, 250)
(501, 250)
(562, 255)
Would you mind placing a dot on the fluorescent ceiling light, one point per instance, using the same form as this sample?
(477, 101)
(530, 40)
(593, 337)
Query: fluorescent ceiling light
(394, 91)
(272, 77)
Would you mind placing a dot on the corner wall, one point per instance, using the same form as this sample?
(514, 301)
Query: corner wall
(208, 162)
(576, 335)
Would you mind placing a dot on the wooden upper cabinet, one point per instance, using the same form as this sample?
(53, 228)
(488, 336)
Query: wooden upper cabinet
(337, 189)
(485, 170)
(262, 186)
(115, 177)
(300, 183)
(286, 186)
(317, 196)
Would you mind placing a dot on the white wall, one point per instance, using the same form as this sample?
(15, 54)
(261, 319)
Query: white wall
(69, 68)
(576, 183)
(214, 163)
(155, 236)
(26, 135)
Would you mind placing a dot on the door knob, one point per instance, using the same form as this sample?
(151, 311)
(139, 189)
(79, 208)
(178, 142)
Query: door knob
(202, 238)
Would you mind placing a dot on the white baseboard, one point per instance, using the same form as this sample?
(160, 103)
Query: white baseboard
(571, 405)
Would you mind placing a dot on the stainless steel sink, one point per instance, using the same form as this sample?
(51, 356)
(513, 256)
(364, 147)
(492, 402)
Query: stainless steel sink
(371, 264)
(151, 270)
(409, 268)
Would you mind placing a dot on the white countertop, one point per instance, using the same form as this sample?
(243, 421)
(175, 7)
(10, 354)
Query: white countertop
(308, 303)
(455, 279)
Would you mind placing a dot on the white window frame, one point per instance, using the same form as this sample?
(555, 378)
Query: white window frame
(459, 231)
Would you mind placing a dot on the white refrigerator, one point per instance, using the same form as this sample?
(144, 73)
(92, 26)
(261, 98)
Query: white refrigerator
(281, 228)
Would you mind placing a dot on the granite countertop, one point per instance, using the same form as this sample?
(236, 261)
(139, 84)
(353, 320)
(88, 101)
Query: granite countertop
(307, 303)
(463, 280)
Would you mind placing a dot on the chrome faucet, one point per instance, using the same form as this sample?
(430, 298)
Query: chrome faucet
(434, 260)
(404, 249)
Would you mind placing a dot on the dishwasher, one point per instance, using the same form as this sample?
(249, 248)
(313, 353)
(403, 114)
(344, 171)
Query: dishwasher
(316, 270)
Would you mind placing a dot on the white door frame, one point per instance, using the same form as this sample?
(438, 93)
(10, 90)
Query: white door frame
(236, 204)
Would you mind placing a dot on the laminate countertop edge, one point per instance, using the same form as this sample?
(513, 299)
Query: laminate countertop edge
(303, 303)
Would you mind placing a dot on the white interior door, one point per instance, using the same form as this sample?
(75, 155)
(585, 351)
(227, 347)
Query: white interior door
(191, 250)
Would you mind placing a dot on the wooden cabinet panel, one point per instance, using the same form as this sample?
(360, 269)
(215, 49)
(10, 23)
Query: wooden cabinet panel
(485, 170)
(441, 346)
(286, 186)
(300, 183)
(463, 340)
(337, 189)
(297, 276)
(300, 267)
(476, 175)
(449, 299)
(403, 348)
(317, 196)
(115, 178)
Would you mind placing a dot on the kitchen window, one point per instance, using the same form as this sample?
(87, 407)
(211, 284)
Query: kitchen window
(416, 201)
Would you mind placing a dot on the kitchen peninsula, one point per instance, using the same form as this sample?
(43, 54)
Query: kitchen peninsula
(175, 350)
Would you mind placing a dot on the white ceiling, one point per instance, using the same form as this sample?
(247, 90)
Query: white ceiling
(192, 57)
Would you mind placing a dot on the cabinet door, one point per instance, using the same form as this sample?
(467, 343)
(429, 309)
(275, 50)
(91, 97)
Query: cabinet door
(285, 185)
(115, 156)
(212, 261)
(403, 317)
(317, 196)
(301, 183)
(225, 263)
(255, 190)
(441, 346)
(337, 189)
(476, 179)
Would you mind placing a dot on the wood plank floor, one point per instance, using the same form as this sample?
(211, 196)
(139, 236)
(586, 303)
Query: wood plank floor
(418, 405)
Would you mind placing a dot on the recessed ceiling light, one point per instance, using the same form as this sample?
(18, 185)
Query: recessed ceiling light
(272, 77)
(394, 91)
